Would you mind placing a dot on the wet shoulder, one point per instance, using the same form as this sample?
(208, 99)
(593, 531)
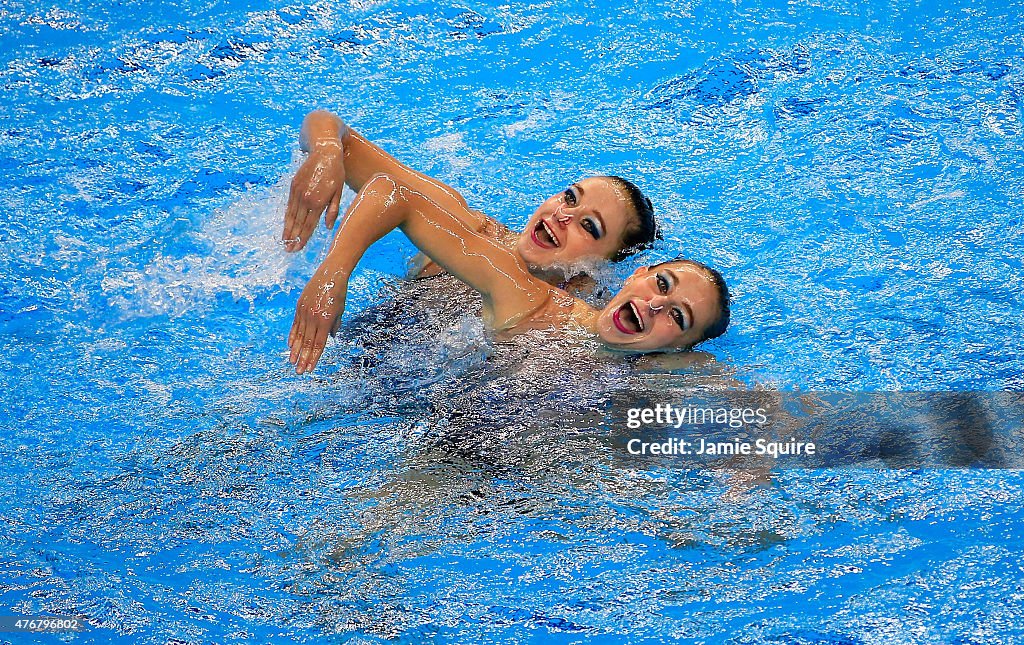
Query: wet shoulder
(423, 266)
(557, 311)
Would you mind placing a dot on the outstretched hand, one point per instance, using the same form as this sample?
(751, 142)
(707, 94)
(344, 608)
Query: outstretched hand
(317, 316)
(317, 186)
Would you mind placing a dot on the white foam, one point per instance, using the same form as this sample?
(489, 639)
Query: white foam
(238, 253)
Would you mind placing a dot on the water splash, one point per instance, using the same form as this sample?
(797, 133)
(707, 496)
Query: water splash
(236, 254)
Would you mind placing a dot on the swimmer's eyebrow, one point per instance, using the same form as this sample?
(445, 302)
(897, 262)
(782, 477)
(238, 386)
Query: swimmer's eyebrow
(672, 276)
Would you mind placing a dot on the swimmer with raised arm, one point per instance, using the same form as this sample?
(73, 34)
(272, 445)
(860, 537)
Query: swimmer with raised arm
(667, 306)
(596, 218)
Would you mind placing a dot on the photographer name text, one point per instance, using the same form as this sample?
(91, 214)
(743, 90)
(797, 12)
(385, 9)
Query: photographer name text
(700, 447)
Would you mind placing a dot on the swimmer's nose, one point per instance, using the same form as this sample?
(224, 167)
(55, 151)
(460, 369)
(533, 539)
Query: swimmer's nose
(657, 303)
(562, 217)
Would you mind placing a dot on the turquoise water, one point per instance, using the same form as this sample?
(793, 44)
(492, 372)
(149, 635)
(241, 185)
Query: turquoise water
(855, 173)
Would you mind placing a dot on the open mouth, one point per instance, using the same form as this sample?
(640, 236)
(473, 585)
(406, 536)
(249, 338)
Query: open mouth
(628, 320)
(544, 237)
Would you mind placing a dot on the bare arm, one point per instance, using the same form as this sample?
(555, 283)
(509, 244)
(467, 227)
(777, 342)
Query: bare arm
(339, 155)
(384, 203)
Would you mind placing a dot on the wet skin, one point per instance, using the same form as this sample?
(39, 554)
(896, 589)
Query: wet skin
(640, 318)
(587, 220)
(670, 305)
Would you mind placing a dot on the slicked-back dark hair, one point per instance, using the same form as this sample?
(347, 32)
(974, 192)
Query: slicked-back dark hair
(724, 299)
(642, 232)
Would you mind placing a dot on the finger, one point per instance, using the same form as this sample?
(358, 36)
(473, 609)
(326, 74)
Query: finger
(307, 350)
(293, 354)
(308, 347)
(311, 351)
(299, 234)
(309, 222)
(317, 348)
(296, 344)
(332, 210)
(293, 335)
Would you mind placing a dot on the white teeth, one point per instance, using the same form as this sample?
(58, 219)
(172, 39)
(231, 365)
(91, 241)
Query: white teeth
(550, 232)
(636, 312)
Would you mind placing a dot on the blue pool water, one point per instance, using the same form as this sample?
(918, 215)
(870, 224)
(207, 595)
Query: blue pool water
(857, 174)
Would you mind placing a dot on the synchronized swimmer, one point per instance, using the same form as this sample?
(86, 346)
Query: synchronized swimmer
(672, 305)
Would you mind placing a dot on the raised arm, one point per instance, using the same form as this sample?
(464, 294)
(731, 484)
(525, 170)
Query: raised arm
(384, 203)
(339, 155)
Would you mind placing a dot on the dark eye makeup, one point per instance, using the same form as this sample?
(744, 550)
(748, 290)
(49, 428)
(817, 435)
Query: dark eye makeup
(680, 318)
(662, 283)
(589, 224)
(677, 314)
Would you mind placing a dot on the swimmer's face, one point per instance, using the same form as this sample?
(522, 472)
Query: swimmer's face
(665, 307)
(587, 220)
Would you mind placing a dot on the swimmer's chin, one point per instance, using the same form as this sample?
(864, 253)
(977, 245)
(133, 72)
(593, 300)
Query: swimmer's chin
(636, 344)
(554, 271)
(612, 344)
